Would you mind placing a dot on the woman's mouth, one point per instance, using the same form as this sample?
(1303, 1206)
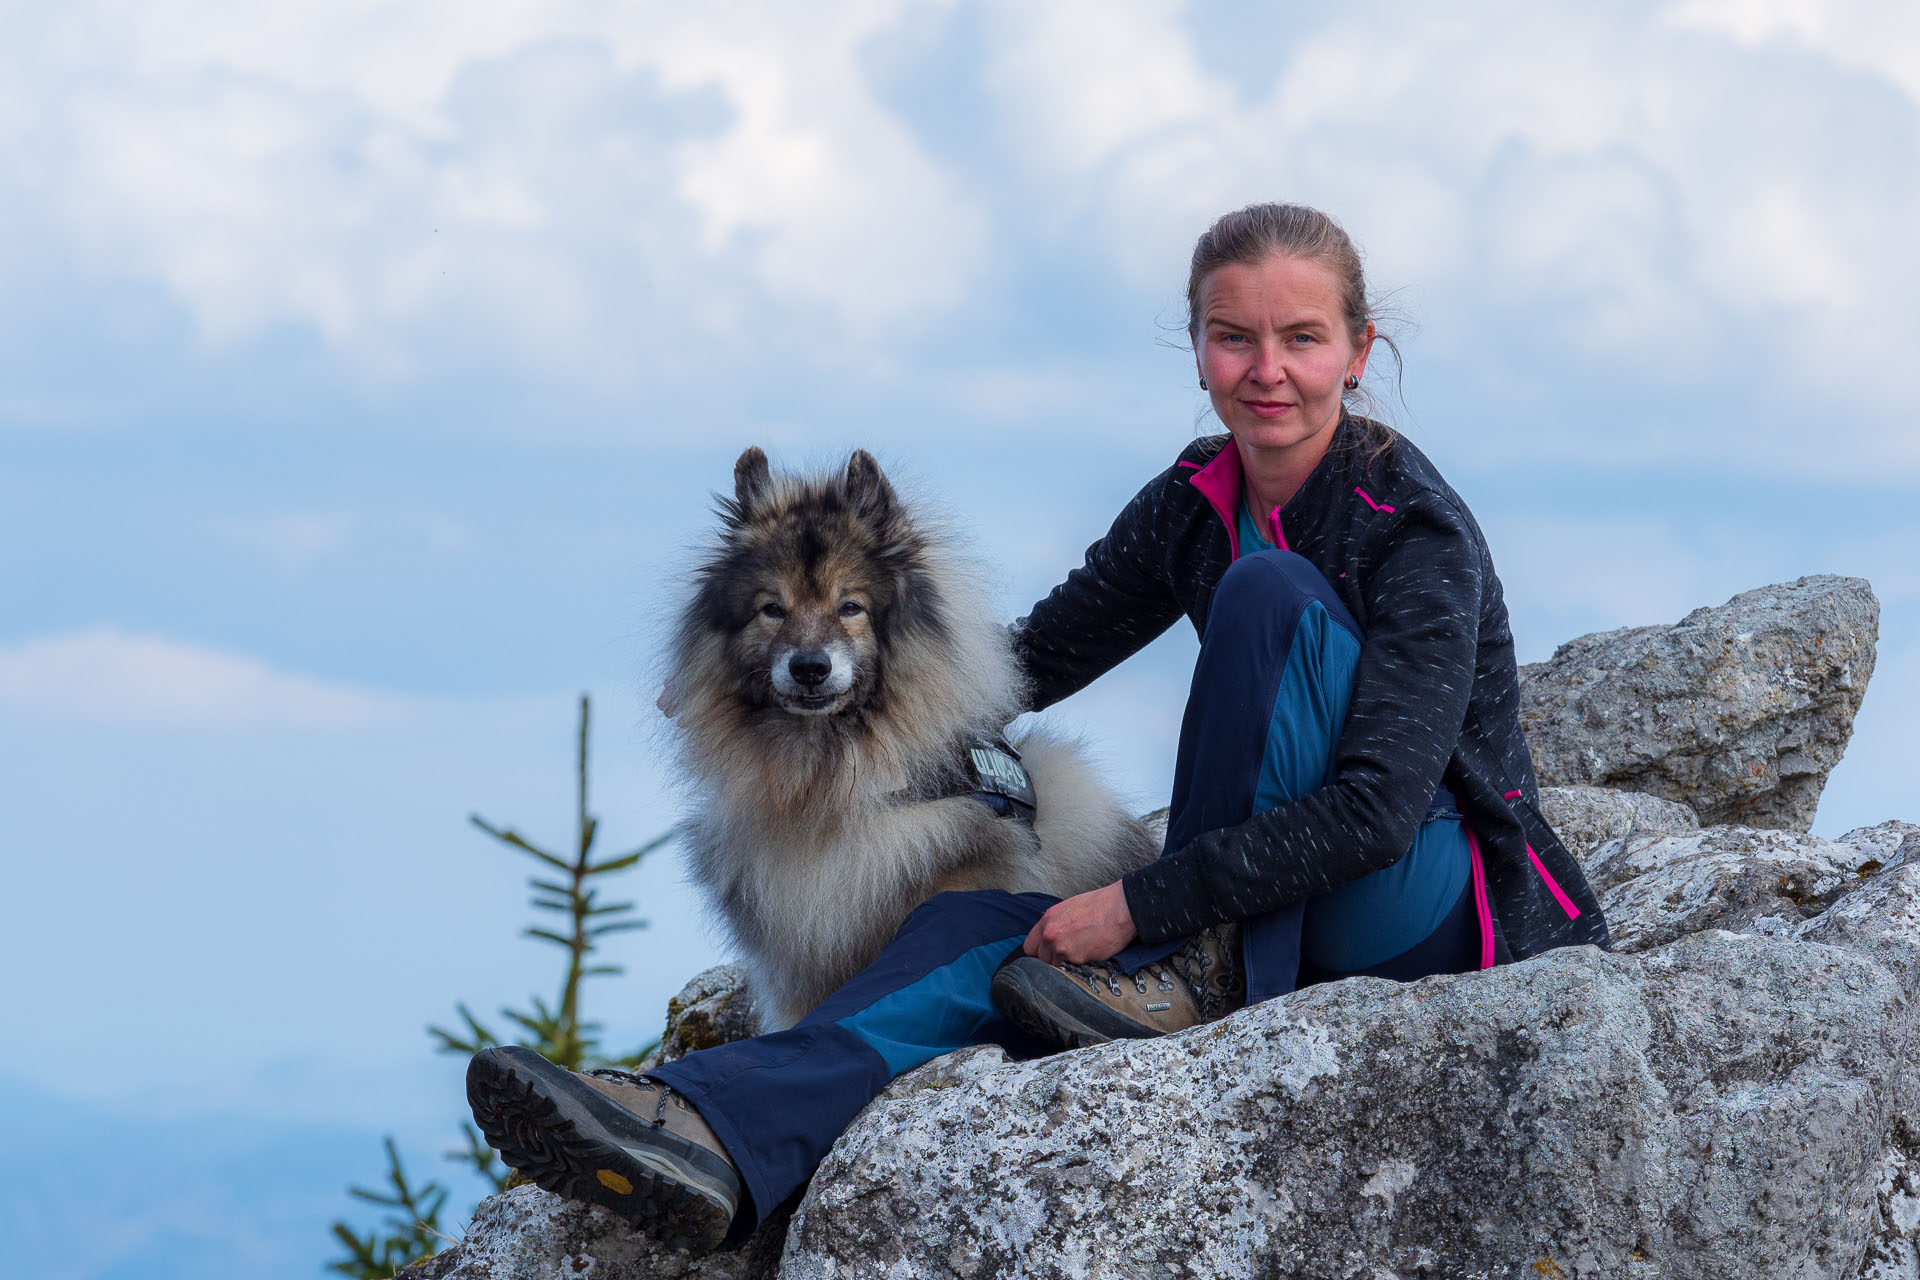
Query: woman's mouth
(1266, 408)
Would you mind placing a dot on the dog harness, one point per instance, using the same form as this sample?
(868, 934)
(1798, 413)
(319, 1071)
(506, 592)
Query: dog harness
(999, 780)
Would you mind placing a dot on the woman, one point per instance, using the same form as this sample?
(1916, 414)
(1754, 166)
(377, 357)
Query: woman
(1352, 793)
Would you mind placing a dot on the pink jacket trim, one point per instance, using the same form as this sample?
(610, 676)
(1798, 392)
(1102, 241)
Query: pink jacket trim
(1222, 482)
(1480, 898)
(1559, 894)
(1377, 506)
(1553, 886)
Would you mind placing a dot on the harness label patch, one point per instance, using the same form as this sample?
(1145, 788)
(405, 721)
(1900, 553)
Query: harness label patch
(1002, 774)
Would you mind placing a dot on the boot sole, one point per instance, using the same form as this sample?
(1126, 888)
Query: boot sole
(565, 1139)
(1049, 1006)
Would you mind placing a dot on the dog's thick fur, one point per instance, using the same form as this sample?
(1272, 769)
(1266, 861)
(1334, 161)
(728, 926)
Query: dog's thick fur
(830, 665)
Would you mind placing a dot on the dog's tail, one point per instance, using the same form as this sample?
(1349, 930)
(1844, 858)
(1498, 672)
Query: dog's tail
(1087, 837)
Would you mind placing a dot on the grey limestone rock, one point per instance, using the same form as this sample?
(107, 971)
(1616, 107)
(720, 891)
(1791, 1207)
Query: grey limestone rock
(712, 1009)
(1732, 1092)
(1740, 710)
(525, 1233)
(1719, 1104)
(1687, 1112)
(1585, 818)
(1891, 844)
(1656, 889)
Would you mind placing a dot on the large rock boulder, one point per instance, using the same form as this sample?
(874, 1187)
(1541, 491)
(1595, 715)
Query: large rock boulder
(1739, 711)
(1731, 1092)
(1716, 1104)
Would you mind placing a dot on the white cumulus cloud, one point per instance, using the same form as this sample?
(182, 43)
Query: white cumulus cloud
(107, 676)
(563, 180)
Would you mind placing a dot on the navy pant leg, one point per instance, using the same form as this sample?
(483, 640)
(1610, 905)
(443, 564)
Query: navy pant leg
(1265, 685)
(779, 1101)
(1263, 722)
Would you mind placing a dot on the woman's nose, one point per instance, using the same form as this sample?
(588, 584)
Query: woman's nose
(1267, 365)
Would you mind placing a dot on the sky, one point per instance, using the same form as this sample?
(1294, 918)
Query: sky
(366, 372)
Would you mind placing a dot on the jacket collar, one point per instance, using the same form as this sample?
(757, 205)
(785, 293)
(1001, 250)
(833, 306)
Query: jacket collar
(1222, 481)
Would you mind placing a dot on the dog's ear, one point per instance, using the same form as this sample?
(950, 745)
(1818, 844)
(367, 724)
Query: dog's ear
(867, 488)
(751, 482)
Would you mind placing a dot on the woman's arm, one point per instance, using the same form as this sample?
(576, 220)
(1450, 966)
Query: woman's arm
(1410, 694)
(1106, 611)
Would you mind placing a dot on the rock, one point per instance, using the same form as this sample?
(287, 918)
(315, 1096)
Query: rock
(529, 1234)
(1739, 711)
(1732, 1092)
(1587, 817)
(1891, 844)
(1718, 1104)
(1656, 889)
(714, 1008)
(1894, 1251)
(1687, 1112)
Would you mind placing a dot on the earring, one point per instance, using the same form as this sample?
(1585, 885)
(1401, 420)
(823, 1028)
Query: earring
(1203, 384)
(1352, 382)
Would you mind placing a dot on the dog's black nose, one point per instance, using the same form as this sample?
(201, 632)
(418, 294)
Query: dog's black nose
(810, 668)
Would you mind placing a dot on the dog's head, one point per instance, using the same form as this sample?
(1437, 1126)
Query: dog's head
(815, 582)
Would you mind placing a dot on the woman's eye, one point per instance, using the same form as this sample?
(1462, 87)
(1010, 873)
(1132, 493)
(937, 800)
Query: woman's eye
(772, 611)
(852, 609)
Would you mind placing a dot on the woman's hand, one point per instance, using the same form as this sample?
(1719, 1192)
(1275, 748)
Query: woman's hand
(1085, 928)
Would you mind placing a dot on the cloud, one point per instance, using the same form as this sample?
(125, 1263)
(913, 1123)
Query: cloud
(1676, 194)
(557, 180)
(107, 676)
(1649, 187)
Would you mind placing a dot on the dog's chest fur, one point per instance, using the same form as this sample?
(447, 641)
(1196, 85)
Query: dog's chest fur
(809, 906)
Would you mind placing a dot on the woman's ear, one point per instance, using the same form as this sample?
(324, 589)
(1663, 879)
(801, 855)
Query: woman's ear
(1357, 367)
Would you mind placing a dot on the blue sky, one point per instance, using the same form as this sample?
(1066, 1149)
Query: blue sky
(365, 371)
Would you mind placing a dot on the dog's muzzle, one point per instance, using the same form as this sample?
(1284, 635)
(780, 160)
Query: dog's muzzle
(810, 681)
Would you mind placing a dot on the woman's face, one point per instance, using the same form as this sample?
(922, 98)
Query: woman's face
(1274, 349)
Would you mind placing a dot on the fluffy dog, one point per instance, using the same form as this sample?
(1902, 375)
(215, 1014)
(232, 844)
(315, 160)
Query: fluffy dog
(831, 672)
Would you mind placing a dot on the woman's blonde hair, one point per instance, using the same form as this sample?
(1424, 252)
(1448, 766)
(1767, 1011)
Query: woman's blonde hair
(1261, 231)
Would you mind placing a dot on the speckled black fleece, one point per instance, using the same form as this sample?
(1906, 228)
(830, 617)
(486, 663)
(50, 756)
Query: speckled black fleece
(1435, 696)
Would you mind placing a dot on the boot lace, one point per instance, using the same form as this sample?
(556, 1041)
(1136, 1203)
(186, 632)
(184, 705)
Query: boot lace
(1106, 975)
(1207, 966)
(620, 1075)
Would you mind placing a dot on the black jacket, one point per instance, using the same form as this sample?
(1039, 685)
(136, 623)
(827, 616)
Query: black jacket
(1435, 697)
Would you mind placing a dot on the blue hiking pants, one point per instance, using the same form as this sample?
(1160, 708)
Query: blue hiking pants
(1269, 698)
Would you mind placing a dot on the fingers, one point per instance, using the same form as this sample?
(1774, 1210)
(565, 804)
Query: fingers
(1044, 940)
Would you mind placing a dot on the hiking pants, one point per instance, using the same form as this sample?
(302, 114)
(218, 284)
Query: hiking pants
(1269, 697)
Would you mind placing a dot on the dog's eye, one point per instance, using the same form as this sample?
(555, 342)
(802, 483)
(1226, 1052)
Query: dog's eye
(852, 609)
(772, 611)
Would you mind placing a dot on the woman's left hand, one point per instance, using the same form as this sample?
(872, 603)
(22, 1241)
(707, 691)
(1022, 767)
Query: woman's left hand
(1085, 928)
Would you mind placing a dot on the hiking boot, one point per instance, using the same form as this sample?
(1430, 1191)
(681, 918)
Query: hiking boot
(1076, 1005)
(608, 1137)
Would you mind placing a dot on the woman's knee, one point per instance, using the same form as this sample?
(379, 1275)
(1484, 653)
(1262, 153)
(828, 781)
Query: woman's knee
(1266, 587)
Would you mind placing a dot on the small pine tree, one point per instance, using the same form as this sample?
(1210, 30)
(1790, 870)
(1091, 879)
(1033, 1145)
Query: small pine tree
(567, 887)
